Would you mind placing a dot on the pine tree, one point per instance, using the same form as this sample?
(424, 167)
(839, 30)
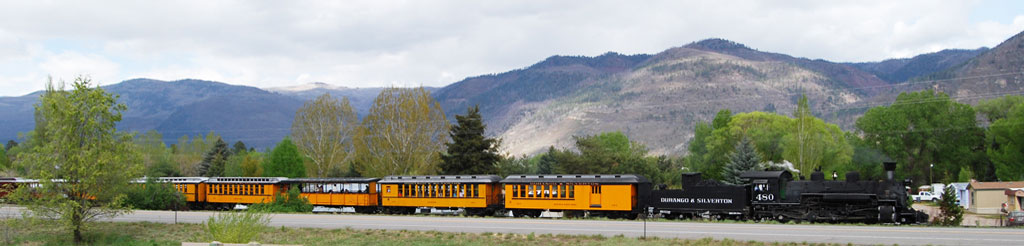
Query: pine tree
(744, 159)
(548, 161)
(952, 214)
(214, 161)
(238, 148)
(470, 152)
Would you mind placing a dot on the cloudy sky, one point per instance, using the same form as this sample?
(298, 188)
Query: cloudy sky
(435, 43)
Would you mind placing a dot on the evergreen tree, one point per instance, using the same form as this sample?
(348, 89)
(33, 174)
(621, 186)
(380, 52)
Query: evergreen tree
(744, 159)
(214, 161)
(284, 161)
(470, 152)
(548, 161)
(952, 214)
(238, 147)
(10, 144)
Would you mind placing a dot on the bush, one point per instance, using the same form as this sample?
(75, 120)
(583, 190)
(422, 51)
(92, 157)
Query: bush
(155, 195)
(236, 227)
(285, 203)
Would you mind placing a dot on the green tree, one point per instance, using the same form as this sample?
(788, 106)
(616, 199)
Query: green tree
(698, 146)
(812, 143)
(920, 129)
(766, 132)
(155, 195)
(10, 144)
(951, 212)
(5, 162)
(251, 164)
(743, 159)
(233, 166)
(547, 161)
(215, 160)
(998, 108)
(92, 161)
(470, 152)
(608, 153)
(238, 147)
(513, 165)
(1007, 150)
(284, 161)
(156, 157)
(323, 130)
(965, 175)
(402, 135)
(722, 119)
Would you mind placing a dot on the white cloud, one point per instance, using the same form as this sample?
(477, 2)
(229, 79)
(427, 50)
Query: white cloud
(406, 43)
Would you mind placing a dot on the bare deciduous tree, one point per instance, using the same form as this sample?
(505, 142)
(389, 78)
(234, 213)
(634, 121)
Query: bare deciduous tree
(403, 134)
(323, 131)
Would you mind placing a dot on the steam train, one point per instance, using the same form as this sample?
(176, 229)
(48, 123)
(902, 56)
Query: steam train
(769, 195)
(774, 195)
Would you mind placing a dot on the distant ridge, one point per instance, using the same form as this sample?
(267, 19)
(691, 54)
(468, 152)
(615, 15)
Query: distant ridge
(655, 99)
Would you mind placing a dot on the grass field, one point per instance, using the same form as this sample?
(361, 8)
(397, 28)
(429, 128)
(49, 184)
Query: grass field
(22, 232)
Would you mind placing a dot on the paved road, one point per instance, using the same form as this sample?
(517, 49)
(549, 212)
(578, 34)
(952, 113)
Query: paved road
(888, 235)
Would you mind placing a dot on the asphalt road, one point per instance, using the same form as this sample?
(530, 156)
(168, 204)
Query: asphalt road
(887, 235)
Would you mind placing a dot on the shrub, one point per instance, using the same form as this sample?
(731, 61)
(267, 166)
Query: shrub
(285, 203)
(236, 227)
(155, 195)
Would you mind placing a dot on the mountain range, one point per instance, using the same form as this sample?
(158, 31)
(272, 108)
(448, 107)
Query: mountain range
(653, 98)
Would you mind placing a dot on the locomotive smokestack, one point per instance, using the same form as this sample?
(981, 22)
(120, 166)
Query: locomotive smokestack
(890, 168)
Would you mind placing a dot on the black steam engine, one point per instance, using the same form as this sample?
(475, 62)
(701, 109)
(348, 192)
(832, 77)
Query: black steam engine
(774, 195)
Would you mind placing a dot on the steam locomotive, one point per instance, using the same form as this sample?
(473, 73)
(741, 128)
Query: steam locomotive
(774, 195)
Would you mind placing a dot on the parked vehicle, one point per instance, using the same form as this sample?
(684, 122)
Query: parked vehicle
(926, 196)
(1015, 218)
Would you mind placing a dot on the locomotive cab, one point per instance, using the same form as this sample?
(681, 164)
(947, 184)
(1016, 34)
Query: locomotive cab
(767, 186)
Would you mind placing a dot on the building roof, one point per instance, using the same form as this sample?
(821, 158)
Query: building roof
(576, 178)
(959, 186)
(1014, 192)
(996, 185)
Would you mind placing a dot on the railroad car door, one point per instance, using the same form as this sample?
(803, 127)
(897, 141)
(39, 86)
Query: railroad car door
(595, 196)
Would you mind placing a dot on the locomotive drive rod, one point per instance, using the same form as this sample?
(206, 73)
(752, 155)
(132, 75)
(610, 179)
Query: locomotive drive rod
(819, 233)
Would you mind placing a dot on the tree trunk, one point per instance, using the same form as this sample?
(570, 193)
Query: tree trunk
(76, 222)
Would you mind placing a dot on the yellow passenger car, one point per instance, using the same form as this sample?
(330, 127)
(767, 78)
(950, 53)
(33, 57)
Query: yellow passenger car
(228, 191)
(477, 194)
(358, 193)
(192, 188)
(609, 195)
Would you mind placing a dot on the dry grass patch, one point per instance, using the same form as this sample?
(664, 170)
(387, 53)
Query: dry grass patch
(145, 233)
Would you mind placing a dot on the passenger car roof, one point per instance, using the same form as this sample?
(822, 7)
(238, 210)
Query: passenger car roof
(576, 178)
(440, 179)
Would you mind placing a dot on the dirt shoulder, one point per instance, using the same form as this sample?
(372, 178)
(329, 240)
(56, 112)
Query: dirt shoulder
(970, 219)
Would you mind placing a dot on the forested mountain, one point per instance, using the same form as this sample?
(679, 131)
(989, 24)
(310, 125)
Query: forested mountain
(903, 69)
(184, 107)
(999, 71)
(655, 99)
(360, 98)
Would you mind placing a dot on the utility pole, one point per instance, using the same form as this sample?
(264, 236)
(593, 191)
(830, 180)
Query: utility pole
(930, 167)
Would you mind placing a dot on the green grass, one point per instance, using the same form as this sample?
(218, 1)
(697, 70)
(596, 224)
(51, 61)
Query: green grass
(20, 232)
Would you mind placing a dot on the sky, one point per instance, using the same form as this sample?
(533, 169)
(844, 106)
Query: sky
(435, 43)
